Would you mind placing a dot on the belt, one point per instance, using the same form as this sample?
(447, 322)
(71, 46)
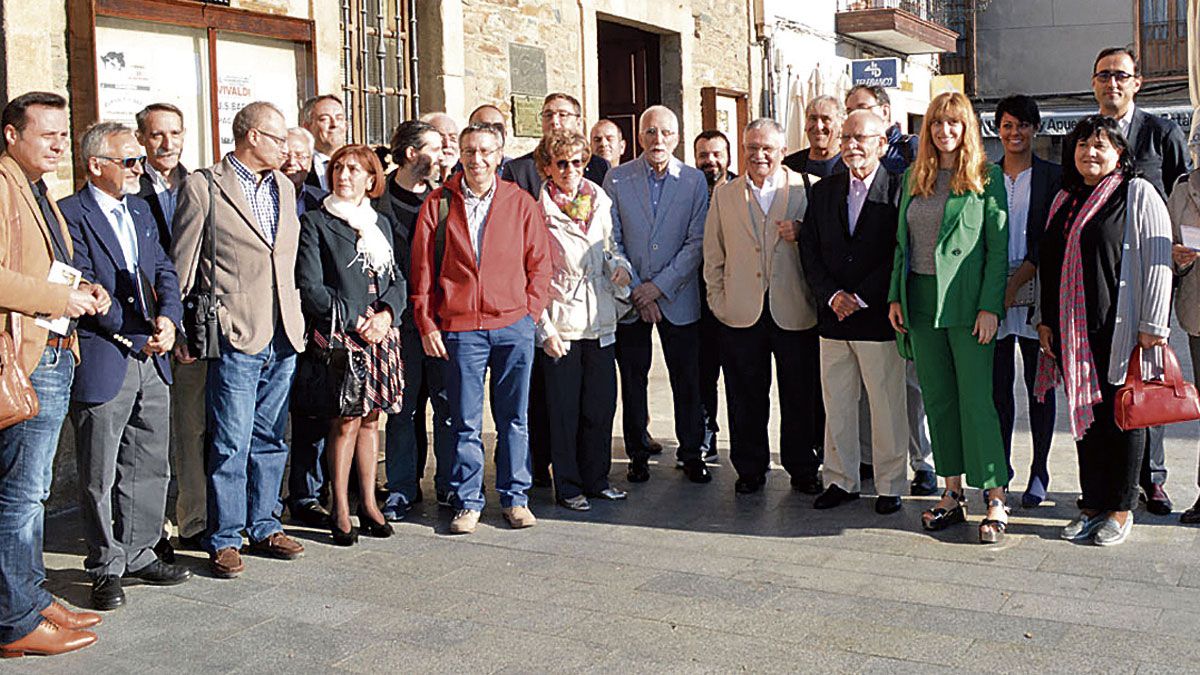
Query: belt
(59, 342)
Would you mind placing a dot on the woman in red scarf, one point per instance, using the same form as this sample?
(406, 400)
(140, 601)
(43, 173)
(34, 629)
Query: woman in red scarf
(578, 329)
(1105, 278)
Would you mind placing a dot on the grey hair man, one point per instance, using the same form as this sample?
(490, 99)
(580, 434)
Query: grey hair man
(448, 128)
(823, 118)
(161, 132)
(325, 118)
(608, 142)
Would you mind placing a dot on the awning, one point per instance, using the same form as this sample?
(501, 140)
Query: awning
(1061, 122)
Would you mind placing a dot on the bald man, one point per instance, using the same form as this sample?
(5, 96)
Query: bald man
(608, 142)
(448, 128)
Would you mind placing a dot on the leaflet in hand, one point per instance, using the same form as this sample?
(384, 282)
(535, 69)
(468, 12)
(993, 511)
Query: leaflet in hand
(66, 275)
(1191, 236)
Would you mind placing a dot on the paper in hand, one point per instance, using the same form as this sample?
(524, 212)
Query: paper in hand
(66, 275)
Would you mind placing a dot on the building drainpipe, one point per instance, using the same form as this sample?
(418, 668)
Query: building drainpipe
(413, 59)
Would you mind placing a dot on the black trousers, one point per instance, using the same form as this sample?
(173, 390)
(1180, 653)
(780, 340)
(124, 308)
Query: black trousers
(746, 354)
(681, 348)
(539, 421)
(1109, 459)
(710, 372)
(582, 387)
(1041, 415)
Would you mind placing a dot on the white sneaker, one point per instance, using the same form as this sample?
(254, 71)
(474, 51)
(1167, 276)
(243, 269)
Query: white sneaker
(464, 522)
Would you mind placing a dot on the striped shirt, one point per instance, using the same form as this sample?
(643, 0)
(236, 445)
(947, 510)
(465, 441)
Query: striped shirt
(262, 195)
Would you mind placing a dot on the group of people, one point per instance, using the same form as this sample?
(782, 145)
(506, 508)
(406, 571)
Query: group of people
(178, 319)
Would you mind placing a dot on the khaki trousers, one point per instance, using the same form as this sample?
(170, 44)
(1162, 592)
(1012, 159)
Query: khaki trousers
(847, 367)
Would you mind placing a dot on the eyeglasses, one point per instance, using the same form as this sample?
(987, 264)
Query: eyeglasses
(860, 139)
(127, 162)
(300, 156)
(562, 164)
(278, 139)
(551, 114)
(1119, 75)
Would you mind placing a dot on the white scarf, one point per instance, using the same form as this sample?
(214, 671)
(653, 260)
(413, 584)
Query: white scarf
(373, 248)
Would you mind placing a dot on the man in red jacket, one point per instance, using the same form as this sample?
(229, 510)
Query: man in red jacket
(475, 308)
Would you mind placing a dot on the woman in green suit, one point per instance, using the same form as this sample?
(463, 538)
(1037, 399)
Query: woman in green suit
(946, 296)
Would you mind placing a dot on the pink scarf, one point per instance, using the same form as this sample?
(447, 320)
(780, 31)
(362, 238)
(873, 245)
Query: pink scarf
(1078, 374)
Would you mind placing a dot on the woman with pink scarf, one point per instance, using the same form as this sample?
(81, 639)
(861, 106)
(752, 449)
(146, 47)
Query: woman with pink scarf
(1105, 278)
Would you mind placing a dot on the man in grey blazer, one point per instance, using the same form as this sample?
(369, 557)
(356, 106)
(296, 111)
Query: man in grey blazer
(659, 206)
(249, 385)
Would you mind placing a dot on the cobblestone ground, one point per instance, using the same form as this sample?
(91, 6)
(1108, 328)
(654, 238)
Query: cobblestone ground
(682, 578)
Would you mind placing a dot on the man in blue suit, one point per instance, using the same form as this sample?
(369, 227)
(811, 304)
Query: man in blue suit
(120, 399)
(659, 207)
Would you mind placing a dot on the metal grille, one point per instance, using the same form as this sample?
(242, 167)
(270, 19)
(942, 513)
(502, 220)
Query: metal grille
(378, 63)
(1164, 38)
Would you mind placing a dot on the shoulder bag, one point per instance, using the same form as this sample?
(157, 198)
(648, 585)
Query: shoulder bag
(201, 326)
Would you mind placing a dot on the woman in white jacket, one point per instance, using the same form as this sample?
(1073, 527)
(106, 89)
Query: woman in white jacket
(578, 329)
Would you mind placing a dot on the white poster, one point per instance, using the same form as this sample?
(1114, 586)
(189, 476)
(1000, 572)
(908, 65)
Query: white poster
(256, 69)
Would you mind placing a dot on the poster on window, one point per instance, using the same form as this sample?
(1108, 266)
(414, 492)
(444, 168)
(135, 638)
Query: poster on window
(253, 69)
(727, 123)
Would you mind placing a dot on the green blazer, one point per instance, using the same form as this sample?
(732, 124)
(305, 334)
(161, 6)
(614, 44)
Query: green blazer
(971, 256)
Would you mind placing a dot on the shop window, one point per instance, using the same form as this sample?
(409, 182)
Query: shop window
(376, 66)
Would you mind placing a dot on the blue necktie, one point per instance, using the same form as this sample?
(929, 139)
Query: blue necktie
(128, 236)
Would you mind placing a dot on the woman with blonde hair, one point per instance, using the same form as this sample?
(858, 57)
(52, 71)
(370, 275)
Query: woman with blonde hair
(947, 293)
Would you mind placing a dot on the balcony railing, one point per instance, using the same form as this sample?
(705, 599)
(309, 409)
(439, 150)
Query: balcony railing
(929, 10)
(904, 26)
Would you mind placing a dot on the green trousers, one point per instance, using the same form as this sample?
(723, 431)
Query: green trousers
(955, 372)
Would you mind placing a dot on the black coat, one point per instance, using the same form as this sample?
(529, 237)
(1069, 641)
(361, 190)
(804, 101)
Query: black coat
(146, 192)
(1159, 150)
(523, 171)
(403, 219)
(834, 260)
(327, 273)
(1044, 184)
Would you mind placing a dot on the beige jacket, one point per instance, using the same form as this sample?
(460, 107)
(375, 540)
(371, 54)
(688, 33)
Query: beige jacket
(24, 289)
(583, 300)
(740, 263)
(255, 282)
(1184, 207)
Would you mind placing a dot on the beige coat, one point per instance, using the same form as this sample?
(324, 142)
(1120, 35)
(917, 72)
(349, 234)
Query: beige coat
(583, 303)
(25, 289)
(1184, 207)
(740, 263)
(256, 283)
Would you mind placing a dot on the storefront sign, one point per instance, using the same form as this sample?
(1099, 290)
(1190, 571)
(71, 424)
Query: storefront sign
(876, 72)
(1060, 123)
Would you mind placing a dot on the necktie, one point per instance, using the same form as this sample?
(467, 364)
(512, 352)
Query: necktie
(128, 237)
(56, 236)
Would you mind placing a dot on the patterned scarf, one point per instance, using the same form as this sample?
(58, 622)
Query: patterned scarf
(1078, 373)
(581, 208)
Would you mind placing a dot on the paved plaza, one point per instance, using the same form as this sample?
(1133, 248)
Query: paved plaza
(681, 578)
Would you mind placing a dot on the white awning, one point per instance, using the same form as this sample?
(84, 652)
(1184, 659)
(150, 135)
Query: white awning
(1061, 122)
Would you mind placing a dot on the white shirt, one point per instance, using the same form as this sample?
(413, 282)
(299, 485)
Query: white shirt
(858, 196)
(1015, 320)
(114, 211)
(320, 162)
(1123, 123)
(477, 207)
(765, 195)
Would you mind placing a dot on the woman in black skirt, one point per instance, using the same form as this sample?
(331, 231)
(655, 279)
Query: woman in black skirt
(353, 295)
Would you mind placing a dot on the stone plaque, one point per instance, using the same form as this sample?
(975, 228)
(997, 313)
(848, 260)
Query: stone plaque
(527, 116)
(527, 69)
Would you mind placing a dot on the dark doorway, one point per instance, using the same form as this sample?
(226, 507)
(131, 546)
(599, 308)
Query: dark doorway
(630, 77)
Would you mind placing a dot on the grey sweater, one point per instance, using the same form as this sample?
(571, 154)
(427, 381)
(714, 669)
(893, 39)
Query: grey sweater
(924, 223)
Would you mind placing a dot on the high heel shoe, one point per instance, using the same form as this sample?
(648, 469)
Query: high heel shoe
(370, 528)
(991, 530)
(939, 518)
(344, 537)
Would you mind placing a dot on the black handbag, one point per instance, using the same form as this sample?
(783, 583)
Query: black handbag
(331, 379)
(202, 328)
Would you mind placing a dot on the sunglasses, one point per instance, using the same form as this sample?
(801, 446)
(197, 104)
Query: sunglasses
(127, 162)
(562, 164)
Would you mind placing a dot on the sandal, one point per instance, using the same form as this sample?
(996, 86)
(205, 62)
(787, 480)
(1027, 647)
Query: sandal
(939, 518)
(991, 530)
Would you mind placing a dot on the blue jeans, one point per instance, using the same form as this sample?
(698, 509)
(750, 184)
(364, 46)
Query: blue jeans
(26, 469)
(401, 437)
(247, 400)
(508, 352)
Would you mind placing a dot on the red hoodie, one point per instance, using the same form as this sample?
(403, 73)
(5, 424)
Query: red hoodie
(511, 278)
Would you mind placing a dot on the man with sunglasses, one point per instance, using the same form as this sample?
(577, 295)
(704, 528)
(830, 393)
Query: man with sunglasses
(249, 384)
(1160, 155)
(120, 398)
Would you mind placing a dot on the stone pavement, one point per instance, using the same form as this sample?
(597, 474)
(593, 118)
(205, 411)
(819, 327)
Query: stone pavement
(682, 578)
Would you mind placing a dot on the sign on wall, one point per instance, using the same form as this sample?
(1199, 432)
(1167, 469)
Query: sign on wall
(876, 72)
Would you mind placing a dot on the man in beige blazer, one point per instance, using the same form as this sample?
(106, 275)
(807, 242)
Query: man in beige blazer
(36, 134)
(249, 386)
(756, 289)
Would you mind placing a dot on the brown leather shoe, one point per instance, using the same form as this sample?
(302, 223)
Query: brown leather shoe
(278, 545)
(226, 563)
(65, 618)
(48, 640)
(519, 517)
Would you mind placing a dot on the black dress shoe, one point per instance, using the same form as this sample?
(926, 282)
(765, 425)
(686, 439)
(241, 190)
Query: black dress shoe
(885, 505)
(924, 484)
(808, 483)
(309, 515)
(639, 471)
(165, 551)
(344, 537)
(107, 593)
(193, 543)
(1192, 515)
(542, 481)
(653, 447)
(370, 528)
(866, 472)
(696, 471)
(833, 496)
(1157, 501)
(159, 573)
(746, 485)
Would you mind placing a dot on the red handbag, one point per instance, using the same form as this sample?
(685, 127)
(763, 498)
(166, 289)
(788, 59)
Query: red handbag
(1139, 404)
